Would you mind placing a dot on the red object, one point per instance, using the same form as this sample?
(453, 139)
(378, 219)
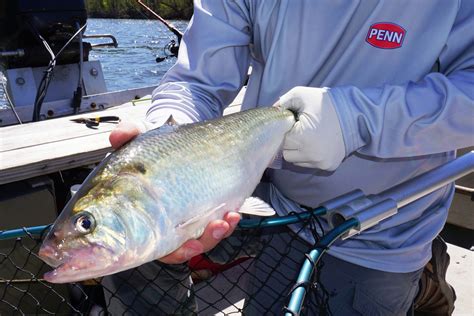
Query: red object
(386, 35)
(202, 263)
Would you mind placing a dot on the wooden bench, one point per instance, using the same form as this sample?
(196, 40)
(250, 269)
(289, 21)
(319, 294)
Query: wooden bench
(40, 148)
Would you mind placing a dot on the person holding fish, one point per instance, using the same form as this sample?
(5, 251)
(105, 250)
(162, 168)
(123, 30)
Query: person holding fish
(382, 91)
(381, 95)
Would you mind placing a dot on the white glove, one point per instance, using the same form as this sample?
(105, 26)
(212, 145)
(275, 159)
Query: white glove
(316, 140)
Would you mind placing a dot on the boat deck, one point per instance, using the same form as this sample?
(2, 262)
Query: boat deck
(460, 275)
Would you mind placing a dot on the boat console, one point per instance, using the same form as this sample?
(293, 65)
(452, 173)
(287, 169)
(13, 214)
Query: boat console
(46, 62)
(22, 23)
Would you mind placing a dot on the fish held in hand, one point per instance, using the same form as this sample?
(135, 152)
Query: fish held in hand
(146, 199)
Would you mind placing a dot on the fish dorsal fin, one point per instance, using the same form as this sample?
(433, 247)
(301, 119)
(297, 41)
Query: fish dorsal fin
(255, 206)
(169, 126)
(171, 121)
(198, 219)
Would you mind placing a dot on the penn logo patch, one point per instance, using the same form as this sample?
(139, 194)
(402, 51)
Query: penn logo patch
(386, 35)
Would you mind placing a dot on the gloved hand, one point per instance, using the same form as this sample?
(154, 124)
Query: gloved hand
(316, 139)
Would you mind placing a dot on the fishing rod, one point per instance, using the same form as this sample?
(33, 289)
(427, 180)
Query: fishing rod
(171, 46)
(170, 26)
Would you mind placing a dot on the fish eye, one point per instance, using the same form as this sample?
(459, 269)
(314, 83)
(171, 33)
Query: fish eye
(85, 223)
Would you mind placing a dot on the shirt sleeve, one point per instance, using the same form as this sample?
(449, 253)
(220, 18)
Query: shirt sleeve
(433, 115)
(212, 64)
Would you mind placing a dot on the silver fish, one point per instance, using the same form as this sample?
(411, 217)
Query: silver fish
(146, 199)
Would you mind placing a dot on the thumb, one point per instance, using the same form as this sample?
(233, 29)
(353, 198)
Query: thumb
(292, 100)
(124, 132)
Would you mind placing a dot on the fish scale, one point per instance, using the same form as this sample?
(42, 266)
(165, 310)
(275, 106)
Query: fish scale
(161, 189)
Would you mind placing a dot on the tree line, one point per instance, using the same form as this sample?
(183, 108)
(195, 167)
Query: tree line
(168, 9)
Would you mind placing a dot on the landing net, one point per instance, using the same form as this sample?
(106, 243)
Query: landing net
(250, 273)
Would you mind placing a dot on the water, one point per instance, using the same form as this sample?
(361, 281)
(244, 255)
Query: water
(132, 64)
(3, 101)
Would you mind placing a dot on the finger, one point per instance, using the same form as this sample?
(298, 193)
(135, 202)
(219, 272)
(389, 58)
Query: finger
(233, 219)
(298, 157)
(294, 137)
(311, 165)
(292, 155)
(189, 249)
(291, 143)
(292, 100)
(213, 234)
(123, 133)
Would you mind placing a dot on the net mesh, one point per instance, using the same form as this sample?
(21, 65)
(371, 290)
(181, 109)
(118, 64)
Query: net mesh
(252, 273)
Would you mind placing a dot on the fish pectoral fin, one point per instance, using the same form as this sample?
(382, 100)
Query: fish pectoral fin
(196, 221)
(255, 206)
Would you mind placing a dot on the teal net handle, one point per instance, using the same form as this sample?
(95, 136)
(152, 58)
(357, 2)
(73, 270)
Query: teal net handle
(299, 291)
(245, 223)
(36, 231)
(282, 220)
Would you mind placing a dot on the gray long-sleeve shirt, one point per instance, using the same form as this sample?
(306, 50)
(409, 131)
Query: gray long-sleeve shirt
(399, 117)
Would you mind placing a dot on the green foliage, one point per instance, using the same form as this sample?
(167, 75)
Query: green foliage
(168, 9)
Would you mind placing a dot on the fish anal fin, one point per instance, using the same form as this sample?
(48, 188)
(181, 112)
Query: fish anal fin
(255, 206)
(277, 162)
(196, 223)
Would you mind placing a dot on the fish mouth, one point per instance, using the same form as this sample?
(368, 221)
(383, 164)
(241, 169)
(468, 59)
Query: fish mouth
(78, 265)
(50, 256)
